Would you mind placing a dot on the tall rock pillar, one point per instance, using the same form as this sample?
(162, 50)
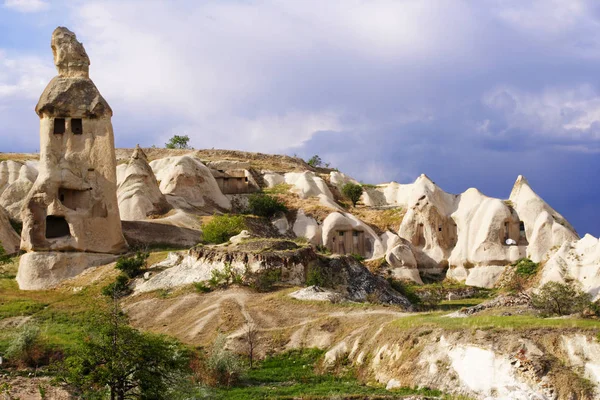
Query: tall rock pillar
(71, 215)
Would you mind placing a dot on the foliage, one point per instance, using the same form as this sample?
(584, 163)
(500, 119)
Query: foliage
(201, 287)
(526, 267)
(222, 227)
(323, 249)
(555, 298)
(265, 205)
(117, 289)
(315, 161)
(178, 142)
(27, 349)
(280, 188)
(225, 366)
(315, 276)
(116, 359)
(4, 258)
(132, 266)
(357, 257)
(295, 375)
(222, 279)
(352, 192)
(263, 281)
(406, 290)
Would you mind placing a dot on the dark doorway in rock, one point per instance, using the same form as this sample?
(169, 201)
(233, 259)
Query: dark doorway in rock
(56, 227)
(59, 126)
(77, 126)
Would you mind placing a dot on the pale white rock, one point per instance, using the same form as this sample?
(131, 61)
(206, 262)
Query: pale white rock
(11, 171)
(243, 235)
(272, 178)
(485, 276)
(545, 228)
(584, 354)
(282, 224)
(9, 239)
(390, 240)
(138, 192)
(339, 179)
(188, 182)
(305, 226)
(46, 270)
(576, 261)
(14, 194)
(307, 184)
(402, 262)
(314, 293)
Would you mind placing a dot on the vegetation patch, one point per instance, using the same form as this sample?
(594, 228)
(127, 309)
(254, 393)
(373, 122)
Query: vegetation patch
(265, 205)
(222, 227)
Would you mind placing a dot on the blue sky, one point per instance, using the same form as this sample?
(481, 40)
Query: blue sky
(472, 93)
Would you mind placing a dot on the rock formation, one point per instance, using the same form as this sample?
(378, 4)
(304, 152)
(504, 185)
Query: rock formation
(16, 180)
(138, 192)
(188, 184)
(9, 239)
(72, 206)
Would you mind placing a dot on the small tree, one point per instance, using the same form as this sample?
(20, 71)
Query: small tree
(225, 366)
(315, 161)
(265, 205)
(118, 360)
(132, 266)
(555, 298)
(222, 227)
(352, 192)
(178, 142)
(251, 339)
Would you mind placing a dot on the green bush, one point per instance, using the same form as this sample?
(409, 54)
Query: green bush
(265, 280)
(315, 277)
(201, 287)
(27, 349)
(4, 258)
(119, 288)
(178, 142)
(132, 266)
(315, 161)
(222, 227)
(222, 279)
(555, 298)
(525, 267)
(265, 205)
(357, 257)
(225, 366)
(352, 192)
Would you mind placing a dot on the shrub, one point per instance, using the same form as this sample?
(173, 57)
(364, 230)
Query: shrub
(228, 276)
(352, 192)
(357, 257)
(132, 266)
(119, 288)
(555, 298)
(264, 281)
(525, 267)
(178, 142)
(26, 349)
(405, 290)
(4, 258)
(201, 287)
(315, 276)
(315, 161)
(225, 366)
(264, 205)
(222, 227)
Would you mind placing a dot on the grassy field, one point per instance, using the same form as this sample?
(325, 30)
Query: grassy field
(294, 375)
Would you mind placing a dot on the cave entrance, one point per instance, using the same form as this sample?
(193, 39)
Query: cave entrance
(56, 227)
(74, 199)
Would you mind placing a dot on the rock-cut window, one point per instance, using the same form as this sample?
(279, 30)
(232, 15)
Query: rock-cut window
(59, 126)
(77, 126)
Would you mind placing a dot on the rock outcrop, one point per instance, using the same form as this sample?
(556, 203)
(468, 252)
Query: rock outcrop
(72, 206)
(9, 239)
(576, 262)
(343, 233)
(188, 184)
(138, 192)
(18, 180)
(307, 184)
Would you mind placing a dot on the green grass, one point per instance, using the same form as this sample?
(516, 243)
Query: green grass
(449, 305)
(292, 375)
(519, 322)
(280, 188)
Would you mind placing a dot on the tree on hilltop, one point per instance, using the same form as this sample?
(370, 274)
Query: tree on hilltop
(178, 142)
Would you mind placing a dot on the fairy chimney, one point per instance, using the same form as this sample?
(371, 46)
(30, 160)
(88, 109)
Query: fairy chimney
(72, 207)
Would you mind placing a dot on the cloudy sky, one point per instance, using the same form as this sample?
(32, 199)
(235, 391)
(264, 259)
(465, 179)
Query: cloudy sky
(472, 93)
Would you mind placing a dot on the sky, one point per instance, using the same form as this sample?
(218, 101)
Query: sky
(471, 93)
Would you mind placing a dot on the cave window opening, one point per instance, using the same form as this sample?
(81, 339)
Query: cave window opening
(74, 199)
(59, 126)
(77, 126)
(522, 230)
(506, 231)
(57, 227)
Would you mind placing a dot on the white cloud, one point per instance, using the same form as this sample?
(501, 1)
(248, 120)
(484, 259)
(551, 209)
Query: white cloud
(23, 76)
(27, 6)
(556, 112)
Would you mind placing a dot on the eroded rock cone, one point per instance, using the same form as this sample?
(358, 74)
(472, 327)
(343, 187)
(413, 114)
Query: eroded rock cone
(138, 192)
